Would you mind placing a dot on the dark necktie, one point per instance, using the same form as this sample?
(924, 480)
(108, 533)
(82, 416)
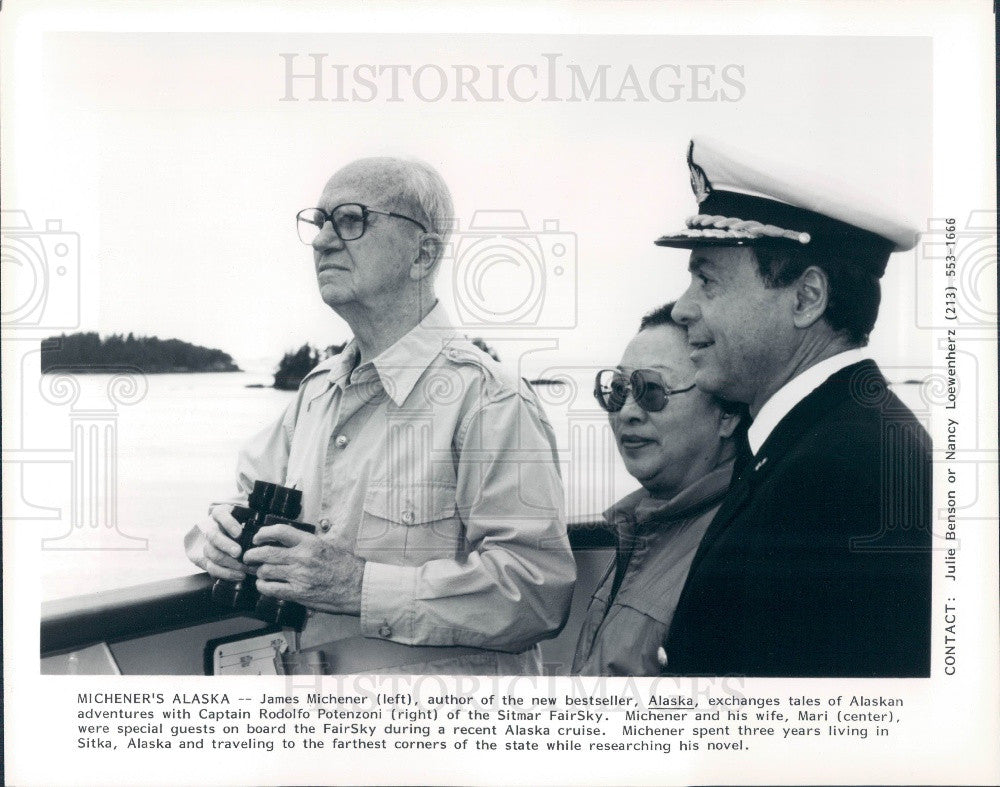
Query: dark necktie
(744, 456)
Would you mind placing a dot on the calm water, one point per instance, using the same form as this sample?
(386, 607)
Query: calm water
(176, 453)
(175, 450)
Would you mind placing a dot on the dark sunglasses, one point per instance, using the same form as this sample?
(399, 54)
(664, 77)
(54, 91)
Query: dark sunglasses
(612, 386)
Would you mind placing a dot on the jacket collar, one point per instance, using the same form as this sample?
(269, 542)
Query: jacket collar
(862, 380)
(797, 389)
(640, 507)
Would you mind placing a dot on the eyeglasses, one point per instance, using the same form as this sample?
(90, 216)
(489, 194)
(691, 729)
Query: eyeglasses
(349, 221)
(612, 386)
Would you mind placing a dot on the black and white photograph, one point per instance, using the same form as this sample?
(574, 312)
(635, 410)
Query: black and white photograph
(568, 394)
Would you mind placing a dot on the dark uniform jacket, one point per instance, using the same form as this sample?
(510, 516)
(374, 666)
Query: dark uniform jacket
(818, 563)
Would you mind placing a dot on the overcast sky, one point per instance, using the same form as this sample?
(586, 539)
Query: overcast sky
(175, 159)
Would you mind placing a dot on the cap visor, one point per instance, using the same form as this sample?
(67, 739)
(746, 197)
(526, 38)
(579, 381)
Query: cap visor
(693, 242)
(694, 239)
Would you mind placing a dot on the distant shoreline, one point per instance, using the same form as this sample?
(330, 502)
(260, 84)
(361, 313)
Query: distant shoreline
(89, 353)
(112, 368)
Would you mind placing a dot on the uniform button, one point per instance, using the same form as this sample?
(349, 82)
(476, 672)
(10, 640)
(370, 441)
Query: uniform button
(385, 630)
(661, 657)
(408, 517)
(324, 524)
(341, 441)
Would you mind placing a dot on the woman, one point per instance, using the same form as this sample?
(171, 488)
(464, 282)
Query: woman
(680, 444)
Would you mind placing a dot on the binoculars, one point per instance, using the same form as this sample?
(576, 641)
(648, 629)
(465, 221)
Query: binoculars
(268, 504)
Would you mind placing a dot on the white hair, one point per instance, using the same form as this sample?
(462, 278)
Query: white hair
(409, 183)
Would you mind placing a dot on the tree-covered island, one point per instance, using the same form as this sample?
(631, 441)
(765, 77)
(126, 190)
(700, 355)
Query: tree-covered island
(296, 364)
(88, 352)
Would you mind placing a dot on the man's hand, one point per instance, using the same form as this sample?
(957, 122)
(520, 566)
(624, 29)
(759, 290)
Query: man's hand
(301, 567)
(211, 546)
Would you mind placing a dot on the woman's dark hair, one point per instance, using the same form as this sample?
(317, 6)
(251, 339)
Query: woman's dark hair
(662, 315)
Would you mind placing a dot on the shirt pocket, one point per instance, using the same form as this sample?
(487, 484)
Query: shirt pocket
(409, 524)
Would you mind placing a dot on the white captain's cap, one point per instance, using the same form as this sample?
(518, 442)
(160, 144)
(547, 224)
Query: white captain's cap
(750, 201)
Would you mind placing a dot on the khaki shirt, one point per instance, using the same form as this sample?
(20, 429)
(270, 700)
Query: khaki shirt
(440, 470)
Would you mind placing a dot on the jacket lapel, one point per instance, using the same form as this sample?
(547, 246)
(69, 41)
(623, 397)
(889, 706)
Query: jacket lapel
(736, 498)
(864, 378)
(864, 375)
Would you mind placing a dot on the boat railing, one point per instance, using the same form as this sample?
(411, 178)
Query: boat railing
(161, 627)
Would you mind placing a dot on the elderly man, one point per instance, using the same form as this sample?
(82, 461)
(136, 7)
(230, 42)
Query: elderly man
(818, 562)
(430, 473)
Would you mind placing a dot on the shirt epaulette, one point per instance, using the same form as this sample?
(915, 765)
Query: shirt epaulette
(497, 382)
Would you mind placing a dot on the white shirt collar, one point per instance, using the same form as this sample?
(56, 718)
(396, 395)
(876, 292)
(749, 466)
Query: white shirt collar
(797, 389)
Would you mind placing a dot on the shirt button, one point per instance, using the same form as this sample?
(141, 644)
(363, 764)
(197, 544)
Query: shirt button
(324, 524)
(408, 517)
(341, 441)
(385, 630)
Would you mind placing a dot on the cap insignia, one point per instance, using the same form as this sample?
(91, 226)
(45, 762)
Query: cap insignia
(700, 184)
